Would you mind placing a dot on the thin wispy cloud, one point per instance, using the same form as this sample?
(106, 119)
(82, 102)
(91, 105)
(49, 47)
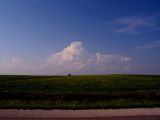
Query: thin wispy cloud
(136, 24)
(149, 45)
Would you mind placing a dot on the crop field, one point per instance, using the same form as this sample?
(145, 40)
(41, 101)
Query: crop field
(79, 92)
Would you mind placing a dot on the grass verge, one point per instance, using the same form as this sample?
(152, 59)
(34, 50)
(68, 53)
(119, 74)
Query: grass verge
(79, 92)
(119, 103)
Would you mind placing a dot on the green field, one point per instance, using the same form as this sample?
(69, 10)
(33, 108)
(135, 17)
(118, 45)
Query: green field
(79, 92)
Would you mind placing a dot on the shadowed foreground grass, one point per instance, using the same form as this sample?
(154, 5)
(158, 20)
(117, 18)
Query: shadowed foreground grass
(119, 103)
(79, 92)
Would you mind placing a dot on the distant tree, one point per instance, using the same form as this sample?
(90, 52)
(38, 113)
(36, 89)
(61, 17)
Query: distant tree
(69, 75)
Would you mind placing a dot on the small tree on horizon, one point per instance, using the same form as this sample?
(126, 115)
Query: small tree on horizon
(69, 75)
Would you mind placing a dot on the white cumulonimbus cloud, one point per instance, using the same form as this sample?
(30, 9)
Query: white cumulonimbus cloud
(75, 59)
(72, 56)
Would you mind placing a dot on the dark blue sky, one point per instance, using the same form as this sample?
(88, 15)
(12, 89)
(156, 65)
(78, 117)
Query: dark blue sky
(31, 31)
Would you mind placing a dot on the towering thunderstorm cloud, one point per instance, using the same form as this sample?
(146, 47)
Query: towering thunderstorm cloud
(75, 58)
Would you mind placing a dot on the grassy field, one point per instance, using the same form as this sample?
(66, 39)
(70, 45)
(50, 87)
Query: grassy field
(79, 92)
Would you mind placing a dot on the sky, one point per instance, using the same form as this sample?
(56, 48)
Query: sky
(58, 37)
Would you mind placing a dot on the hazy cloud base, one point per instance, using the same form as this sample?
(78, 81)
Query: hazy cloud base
(73, 59)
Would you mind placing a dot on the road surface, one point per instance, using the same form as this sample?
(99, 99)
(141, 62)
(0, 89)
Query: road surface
(110, 114)
(87, 118)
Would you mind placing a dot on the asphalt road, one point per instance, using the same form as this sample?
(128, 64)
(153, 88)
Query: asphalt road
(148, 117)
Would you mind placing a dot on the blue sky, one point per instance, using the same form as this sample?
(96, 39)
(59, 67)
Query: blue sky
(79, 36)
